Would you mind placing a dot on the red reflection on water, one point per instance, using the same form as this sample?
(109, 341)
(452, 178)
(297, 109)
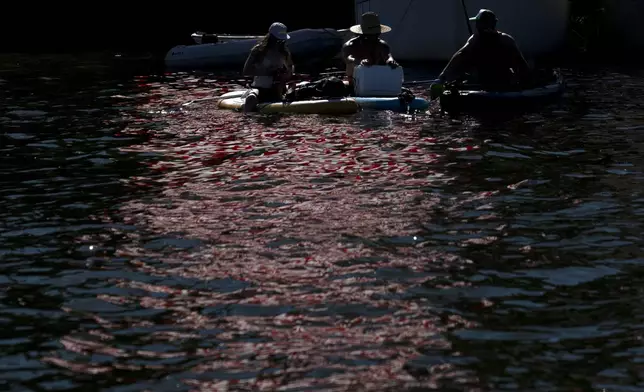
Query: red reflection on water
(317, 216)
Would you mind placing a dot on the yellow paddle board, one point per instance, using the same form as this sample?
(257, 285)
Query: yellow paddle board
(319, 106)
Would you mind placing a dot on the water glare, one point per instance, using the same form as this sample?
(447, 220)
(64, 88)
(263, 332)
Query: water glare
(147, 245)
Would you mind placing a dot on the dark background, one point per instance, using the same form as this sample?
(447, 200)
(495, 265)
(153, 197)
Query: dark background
(156, 26)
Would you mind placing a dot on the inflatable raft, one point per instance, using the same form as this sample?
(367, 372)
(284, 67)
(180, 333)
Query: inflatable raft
(469, 98)
(232, 51)
(235, 100)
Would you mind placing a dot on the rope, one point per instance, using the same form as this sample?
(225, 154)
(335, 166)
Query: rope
(402, 19)
(332, 32)
(467, 17)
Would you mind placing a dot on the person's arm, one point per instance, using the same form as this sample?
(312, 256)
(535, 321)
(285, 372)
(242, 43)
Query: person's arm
(347, 53)
(290, 66)
(385, 54)
(285, 73)
(250, 67)
(519, 63)
(349, 59)
(458, 62)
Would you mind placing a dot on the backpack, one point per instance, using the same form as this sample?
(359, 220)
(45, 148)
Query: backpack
(331, 87)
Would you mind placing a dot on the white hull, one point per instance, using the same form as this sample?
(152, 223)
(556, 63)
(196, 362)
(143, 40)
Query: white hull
(432, 30)
(304, 44)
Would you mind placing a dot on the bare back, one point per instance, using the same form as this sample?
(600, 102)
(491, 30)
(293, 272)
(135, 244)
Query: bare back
(493, 52)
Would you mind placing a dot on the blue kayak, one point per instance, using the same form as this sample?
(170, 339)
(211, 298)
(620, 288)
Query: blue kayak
(473, 98)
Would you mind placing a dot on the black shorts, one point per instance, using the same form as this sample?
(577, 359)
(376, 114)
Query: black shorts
(351, 89)
(268, 95)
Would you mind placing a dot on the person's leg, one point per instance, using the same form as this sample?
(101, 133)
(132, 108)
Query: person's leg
(350, 89)
(349, 71)
(250, 102)
(264, 95)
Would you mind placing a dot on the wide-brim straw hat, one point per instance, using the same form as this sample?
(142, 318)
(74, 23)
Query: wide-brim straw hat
(370, 24)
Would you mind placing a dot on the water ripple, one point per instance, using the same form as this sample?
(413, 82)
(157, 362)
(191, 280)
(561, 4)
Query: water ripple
(145, 247)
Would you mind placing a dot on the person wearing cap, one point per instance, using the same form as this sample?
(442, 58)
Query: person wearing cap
(367, 48)
(493, 55)
(271, 65)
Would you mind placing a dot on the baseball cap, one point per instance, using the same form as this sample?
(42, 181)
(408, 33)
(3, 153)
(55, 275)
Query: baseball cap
(484, 15)
(278, 30)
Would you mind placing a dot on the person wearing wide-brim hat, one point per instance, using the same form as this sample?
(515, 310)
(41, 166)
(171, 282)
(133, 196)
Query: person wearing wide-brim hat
(367, 48)
(493, 56)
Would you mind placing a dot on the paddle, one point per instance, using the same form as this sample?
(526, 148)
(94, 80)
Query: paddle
(213, 98)
(435, 92)
(420, 82)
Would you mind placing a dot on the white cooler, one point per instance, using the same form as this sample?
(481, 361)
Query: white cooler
(377, 81)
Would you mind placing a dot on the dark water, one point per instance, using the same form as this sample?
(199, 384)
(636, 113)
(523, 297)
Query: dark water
(147, 248)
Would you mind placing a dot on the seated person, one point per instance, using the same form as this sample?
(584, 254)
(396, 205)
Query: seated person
(367, 48)
(493, 56)
(271, 65)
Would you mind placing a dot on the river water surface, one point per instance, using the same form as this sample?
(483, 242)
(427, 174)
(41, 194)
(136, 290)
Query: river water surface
(143, 247)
